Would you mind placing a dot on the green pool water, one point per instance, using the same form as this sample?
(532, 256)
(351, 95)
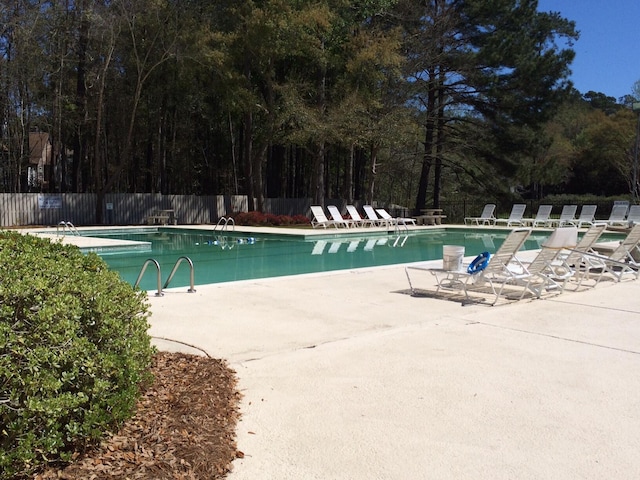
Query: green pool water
(237, 256)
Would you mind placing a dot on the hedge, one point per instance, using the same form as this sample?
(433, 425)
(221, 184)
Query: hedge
(74, 351)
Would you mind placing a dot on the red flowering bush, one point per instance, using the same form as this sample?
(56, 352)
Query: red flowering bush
(300, 220)
(259, 219)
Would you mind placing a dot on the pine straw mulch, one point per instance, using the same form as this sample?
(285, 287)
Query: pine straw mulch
(183, 429)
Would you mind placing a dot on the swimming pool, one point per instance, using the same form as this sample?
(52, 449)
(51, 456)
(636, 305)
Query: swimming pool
(238, 256)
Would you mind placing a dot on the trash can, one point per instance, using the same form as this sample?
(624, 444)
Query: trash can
(452, 256)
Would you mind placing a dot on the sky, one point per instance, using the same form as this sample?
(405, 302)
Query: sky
(608, 51)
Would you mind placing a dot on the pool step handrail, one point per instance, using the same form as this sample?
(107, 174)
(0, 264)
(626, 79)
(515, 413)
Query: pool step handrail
(175, 267)
(223, 223)
(144, 267)
(67, 225)
(396, 230)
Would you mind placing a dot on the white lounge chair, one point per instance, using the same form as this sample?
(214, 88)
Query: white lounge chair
(567, 216)
(515, 217)
(545, 273)
(634, 215)
(542, 217)
(373, 216)
(582, 257)
(394, 220)
(618, 215)
(357, 218)
(623, 260)
(487, 216)
(587, 216)
(320, 219)
(493, 278)
(337, 217)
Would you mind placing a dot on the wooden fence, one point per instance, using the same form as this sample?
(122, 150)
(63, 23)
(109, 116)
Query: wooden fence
(18, 209)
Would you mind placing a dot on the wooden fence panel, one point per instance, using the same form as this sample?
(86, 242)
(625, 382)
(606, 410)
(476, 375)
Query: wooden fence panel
(132, 208)
(287, 206)
(21, 209)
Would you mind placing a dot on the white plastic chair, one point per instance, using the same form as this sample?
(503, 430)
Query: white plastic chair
(567, 216)
(357, 218)
(493, 277)
(320, 219)
(622, 260)
(487, 216)
(587, 216)
(515, 217)
(545, 273)
(583, 257)
(373, 216)
(542, 217)
(337, 217)
(618, 215)
(394, 220)
(634, 215)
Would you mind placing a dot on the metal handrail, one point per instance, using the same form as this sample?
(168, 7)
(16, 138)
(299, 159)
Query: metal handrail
(175, 267)
(72, 229)
(144, 267)
(223, 223)
(397, 227)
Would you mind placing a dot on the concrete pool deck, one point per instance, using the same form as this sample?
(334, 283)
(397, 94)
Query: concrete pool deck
(346, 376)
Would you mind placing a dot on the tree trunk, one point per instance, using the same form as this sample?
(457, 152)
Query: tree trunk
(79, 140)
(247, 157)
(97, 155)
(427, 159)
(318, 160)
(258, 178)
(348, 182)
(437, 174)
(372, 183)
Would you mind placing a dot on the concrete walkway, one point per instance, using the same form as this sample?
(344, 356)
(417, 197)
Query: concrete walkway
(346, 376)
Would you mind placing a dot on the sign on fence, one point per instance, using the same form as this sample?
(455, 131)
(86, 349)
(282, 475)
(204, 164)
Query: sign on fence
(49, 201)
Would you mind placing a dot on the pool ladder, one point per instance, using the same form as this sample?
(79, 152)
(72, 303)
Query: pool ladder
(224, 223)
(396, 228)
(159, 274)
(66, 226)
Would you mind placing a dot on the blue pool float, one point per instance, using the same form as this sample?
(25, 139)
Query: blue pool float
(479, 263)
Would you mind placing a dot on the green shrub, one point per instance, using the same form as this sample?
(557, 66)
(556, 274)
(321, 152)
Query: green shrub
(74, 350)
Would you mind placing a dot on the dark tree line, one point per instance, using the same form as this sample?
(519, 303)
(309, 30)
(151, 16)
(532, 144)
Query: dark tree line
(398, 100)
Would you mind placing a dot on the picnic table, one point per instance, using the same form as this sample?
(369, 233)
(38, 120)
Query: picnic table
(430, 216)
(162, 217)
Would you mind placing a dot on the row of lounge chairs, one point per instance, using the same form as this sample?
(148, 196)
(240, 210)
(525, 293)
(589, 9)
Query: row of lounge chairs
(377, 217)
(562, 259)
(621, 215)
